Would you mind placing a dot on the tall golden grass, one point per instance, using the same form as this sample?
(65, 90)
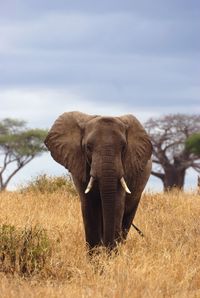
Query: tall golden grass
(165, 263)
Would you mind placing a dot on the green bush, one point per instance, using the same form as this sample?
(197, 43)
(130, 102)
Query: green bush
(44, 183)
(23, 251)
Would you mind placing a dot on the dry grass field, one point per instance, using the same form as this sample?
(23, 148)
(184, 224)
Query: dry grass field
(165, 263)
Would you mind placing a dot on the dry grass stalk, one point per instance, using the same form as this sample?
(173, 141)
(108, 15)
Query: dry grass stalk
(166, 263)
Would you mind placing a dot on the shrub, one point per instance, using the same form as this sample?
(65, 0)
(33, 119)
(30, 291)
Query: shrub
(44, 183)
(23, 251)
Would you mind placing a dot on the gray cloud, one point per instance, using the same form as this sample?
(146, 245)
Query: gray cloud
(111, 32)
(150, 8)
(105, 56)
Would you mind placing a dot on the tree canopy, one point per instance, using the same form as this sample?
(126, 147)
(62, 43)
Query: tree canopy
(193, 144)
(171, 158)
(18, 146)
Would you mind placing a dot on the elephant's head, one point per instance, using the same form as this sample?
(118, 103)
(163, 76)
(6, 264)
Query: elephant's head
(108, 150)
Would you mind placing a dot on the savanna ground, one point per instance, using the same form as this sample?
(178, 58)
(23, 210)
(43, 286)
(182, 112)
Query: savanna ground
(165, 263)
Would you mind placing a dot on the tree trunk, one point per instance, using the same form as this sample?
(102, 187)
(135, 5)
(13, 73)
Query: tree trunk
(174, 178)
(2, 188)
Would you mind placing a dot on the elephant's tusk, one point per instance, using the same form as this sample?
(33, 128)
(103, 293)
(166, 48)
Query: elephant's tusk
(90, 184)
(124, 185)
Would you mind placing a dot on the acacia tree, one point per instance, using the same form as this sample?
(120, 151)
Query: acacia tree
(171, 158)
(193, 144)
(18, 146)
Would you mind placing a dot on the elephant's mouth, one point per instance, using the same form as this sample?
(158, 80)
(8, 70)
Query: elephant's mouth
(122, 181)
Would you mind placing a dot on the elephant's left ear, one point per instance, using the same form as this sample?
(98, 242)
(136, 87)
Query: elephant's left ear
(139, 147)
(64, 141)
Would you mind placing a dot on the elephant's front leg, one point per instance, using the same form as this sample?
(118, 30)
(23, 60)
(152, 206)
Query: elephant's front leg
(129, 214)
(92, 218)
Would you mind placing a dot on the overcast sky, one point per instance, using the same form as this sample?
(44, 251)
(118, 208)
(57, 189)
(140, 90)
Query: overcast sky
(100, 57)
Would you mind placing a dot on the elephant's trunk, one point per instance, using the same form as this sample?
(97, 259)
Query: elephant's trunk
(108, 189)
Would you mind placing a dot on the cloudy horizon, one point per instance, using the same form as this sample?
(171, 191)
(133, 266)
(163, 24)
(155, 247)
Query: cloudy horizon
(98, 57)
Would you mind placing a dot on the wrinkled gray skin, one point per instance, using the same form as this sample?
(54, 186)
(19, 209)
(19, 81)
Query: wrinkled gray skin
(106, 148)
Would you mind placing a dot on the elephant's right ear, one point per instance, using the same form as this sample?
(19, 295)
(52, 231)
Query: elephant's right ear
(64, 141)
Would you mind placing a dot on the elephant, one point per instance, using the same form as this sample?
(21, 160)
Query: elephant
(109, 159)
